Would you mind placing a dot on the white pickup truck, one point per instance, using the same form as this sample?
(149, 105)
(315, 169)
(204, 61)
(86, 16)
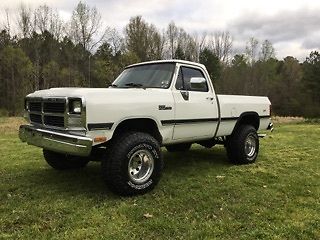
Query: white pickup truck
(170, 103)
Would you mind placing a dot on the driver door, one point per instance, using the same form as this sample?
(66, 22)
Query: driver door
(196, 113)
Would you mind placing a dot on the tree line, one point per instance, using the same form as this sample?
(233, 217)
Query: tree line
(43, 51)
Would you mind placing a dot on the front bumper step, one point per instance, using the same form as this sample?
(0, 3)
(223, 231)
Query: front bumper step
(54, 141)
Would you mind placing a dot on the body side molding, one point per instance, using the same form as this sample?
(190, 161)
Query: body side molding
(99, 126)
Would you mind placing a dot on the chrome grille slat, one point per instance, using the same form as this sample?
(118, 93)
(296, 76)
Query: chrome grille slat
(48, 111)
(35, 118)
(53, 107)
(35, 106)
(54, 121)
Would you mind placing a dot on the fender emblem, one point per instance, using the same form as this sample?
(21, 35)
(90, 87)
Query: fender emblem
(164, 107)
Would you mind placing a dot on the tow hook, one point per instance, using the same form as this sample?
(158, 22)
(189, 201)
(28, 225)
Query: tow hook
(270, 127)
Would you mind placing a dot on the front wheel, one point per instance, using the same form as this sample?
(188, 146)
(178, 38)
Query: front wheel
(62, 161)
(133, 164)
(243, 145)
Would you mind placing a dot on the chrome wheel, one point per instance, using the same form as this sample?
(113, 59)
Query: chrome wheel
(250, 146)
(140, 167)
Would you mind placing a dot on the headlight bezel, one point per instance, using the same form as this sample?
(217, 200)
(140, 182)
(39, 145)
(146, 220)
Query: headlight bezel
(75, 106)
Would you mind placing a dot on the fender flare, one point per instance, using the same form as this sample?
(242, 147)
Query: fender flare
(251, 117)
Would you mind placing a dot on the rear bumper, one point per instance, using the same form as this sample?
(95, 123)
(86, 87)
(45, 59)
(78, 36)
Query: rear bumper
(54, 141)
(269, 127)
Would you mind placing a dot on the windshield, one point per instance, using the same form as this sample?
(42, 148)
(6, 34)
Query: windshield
(146, 76)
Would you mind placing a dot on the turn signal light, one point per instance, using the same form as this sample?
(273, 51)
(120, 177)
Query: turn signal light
(100, 139)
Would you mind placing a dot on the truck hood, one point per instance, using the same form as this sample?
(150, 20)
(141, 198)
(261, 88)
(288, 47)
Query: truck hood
(81, 92)
(106, 95)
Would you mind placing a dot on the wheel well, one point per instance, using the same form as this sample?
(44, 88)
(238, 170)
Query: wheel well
(249, 118)
(146, 125)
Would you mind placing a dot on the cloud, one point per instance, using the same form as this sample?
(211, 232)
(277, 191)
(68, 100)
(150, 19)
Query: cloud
(291, 25)
(291, 32)
(312, 41)
(283, 26)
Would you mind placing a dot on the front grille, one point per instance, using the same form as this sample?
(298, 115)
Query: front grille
(54, 107)
(35, 106)
(48, 111)
(54, 121)
(35, 118)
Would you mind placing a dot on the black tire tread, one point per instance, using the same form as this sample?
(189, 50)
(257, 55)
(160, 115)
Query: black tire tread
(111, 164)
(235, 148)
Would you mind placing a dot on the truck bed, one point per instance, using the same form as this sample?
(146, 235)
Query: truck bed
(231, 107)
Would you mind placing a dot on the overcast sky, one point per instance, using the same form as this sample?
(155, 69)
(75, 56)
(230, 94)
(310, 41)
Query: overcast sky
(293, 26)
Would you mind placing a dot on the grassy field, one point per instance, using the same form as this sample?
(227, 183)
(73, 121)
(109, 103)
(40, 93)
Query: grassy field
(200, 196)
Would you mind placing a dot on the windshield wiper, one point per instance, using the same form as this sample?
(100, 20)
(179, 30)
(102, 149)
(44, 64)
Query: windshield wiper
(113, 85)
(137, 85)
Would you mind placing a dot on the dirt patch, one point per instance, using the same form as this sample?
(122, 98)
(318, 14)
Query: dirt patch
(10, 125)
(277, 119)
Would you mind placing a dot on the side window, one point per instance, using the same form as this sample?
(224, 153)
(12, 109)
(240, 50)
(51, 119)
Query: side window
(184, 77)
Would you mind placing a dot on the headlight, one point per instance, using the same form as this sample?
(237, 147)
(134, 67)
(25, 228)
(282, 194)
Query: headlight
(75, 107)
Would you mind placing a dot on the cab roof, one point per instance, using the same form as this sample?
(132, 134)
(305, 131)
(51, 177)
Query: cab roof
(168, 61)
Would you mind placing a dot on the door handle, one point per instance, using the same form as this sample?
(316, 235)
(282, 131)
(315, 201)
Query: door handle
(210, 98)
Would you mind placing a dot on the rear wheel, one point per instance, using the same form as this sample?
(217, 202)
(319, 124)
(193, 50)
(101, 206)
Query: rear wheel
(62, 161)
(243, 145)
(133, 164)
(181, 147)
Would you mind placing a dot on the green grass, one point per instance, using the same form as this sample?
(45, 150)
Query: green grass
(200, 196)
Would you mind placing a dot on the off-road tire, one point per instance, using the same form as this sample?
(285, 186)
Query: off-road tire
(243, 145)
(181, 147)
(62, 161)
(120, 153)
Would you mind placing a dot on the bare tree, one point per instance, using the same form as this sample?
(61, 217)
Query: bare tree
(42, 18)
(7, 25)
(267, 51)
(47, 19)
(156, 43)
(24, 20)
(187, 45)
(200, 41)
(179, 44)
(115, 40)
(252, 50)
(56, 25)
(221, 44)
(85, 26)
(172, 35)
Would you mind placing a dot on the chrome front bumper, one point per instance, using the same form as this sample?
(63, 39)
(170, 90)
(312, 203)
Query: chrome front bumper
(55, 141)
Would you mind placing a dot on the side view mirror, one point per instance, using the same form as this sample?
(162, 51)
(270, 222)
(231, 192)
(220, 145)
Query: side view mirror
(198, 83)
